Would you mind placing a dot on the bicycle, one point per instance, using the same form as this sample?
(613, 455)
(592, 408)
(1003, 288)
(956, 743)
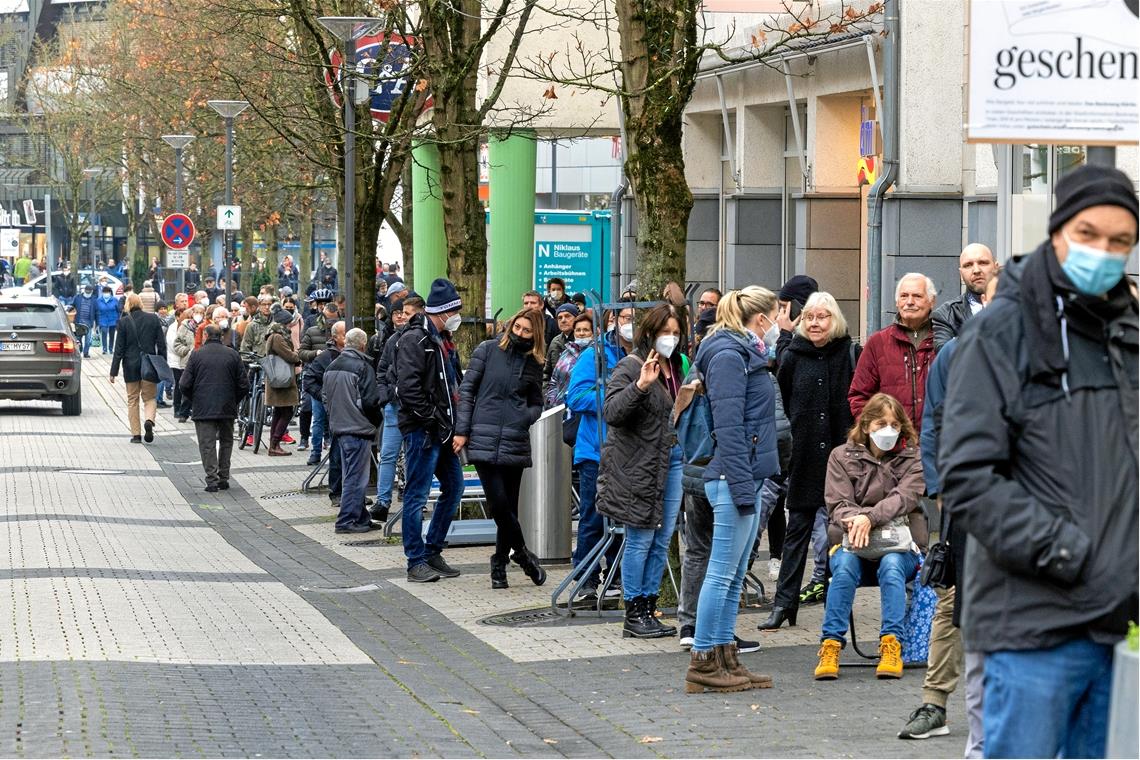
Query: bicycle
(252, 412)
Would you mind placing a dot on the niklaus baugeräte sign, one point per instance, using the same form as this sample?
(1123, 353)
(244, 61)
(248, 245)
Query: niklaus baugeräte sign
(1054, 71)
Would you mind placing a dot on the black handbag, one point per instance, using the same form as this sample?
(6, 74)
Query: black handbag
(938, 568)
(155, 369)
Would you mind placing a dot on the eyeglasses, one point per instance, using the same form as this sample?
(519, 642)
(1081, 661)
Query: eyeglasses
(813, 318)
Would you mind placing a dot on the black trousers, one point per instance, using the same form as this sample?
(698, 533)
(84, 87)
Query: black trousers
(777, 529)
(797, 544)
(181, 407)
(501, 486)
(306, 416)
(280, 424)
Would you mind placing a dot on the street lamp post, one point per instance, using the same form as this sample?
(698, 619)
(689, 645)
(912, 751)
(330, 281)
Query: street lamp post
(348, 29)
(91, 174)
(178, 142)
(228, 110)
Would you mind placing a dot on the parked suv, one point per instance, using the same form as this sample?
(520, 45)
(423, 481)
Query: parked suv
(39, 352)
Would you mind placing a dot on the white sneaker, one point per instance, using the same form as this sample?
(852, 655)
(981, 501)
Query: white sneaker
(774, 569)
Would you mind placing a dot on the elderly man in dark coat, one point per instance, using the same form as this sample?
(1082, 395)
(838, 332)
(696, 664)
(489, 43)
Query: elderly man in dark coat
(214, 382)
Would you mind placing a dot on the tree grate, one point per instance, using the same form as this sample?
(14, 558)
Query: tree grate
(541, 617)
(280, 495)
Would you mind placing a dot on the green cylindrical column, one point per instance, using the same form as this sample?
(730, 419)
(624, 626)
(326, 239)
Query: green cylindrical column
(429, 241)
(512, 183)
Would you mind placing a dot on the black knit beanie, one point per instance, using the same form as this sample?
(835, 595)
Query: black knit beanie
(1089, 186)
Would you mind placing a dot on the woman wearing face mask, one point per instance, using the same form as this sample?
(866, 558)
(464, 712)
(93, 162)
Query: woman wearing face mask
(581, 336)
(814, 375)
(108, 311)
(733, 362)
(500, 398)
(874, 483)
(639, 477)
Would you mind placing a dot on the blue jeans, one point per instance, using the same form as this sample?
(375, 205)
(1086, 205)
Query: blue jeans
(107, 338)
(86, 340)
(849, 572)
(1048, 702)
(733, 536)
(390, 442)
(317, 432)
(426, 456)
(591, 525)
(646, 549)
(336, 482)
(355, 456)
(819, 546)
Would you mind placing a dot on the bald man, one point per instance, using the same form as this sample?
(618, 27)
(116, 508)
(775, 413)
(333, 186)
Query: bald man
(977, 266)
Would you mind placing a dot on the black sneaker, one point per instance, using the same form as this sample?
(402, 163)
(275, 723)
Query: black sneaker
(148, 431)
(445, 570)
(925, 722)
(355, 528)
(687, 633)
(744, 646)
(211, 489)
(422, 573)
(224, 485)
(813, 593)
(379, 513)
(136, 439)
(303, 445)
(588, 594)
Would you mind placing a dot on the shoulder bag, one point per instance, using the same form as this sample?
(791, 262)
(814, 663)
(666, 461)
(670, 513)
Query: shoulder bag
(892, 537)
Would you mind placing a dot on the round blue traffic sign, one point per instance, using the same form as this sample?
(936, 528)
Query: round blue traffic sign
(177, 231)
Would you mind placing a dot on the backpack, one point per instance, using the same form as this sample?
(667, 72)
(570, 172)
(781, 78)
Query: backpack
(694, 421)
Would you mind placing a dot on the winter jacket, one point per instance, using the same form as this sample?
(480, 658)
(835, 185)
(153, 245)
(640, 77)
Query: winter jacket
(253, 340)
(891, 364)
(139, 333)
(287, 278)
(184, 340)
(742, 397)
(932, 415)
(858, 483)
(278, 343)
(109, 310)
(86, 310)
(214, 382)
(379, 339)
(312, 377)
(554, 391)
(427, 380)
(949, 318)
(149, 299)
(352, 400)
(386, 370)
(314, 338)
(172, 358)
(813, 385)
(499, 399)
(583, 397)
(639, 441)
(1044, 474)
(553, 352)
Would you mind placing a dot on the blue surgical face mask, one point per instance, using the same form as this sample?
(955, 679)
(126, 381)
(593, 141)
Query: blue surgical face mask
(1093, 271)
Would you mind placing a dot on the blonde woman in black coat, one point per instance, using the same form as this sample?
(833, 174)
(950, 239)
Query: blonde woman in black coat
(500, 398)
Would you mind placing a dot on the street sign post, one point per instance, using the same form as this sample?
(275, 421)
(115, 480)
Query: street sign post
(229, 218)
(177, 231)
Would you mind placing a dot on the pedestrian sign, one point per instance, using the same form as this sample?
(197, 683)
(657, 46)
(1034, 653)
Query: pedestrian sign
(177, 231)
(229, 218)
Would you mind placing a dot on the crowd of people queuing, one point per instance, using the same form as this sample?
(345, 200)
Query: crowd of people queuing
(1001, 422)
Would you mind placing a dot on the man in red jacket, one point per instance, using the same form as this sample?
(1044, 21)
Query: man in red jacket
(896, 358)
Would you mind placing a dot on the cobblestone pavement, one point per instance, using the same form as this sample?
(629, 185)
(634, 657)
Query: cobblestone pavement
(143, 617)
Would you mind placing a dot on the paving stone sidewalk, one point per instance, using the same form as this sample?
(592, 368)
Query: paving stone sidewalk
(146, 618)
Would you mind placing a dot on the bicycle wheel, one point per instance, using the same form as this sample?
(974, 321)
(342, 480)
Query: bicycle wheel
(242, 428)
(257, 418)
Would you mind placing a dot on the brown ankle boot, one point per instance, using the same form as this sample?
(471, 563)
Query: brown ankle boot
(733, 666)
(706, 673)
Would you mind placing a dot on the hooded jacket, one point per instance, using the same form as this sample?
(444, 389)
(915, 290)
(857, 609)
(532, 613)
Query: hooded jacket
(350, 395)
(583, 397)
(891, 364)
(500, 398)
(109, 310)
(743, 400)
(813, 384)
(1043, 470)
(427, 380)
(253, 339)
(858, 483)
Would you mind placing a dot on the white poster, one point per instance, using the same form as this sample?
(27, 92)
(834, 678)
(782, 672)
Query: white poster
(1053, 71)
(9, 242)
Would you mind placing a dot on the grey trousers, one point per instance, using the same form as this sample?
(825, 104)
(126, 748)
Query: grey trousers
(975, 687)
(698, 545)
(215, 442)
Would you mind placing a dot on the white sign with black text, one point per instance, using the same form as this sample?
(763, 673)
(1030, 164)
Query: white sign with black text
(1054, 71)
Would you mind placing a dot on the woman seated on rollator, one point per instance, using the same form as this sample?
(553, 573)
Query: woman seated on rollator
(876, 529)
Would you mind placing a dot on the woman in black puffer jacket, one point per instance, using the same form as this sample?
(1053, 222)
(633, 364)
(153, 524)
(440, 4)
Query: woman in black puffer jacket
(500, 398)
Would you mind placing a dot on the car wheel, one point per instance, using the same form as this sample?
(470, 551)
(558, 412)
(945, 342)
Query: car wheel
(73, 404)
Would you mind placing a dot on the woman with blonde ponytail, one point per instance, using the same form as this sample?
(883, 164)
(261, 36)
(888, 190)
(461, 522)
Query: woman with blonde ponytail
(733, 360)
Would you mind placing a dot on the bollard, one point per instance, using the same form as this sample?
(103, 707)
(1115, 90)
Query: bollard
(544, 495)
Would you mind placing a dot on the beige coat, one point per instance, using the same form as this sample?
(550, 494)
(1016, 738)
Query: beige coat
(280, 343)
(882, 489)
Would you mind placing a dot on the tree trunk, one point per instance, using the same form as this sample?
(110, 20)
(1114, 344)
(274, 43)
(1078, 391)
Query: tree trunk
(305, 252)
(272, 251)
(403, 229)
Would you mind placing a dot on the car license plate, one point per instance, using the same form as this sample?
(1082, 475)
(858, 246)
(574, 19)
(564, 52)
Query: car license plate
(10, 348)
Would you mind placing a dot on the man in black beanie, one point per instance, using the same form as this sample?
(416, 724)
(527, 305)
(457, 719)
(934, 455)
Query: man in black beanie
(427, 390)
(1038, 461)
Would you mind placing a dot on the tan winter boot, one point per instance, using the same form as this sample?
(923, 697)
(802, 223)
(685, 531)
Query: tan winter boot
(734, 667)
(706, 673)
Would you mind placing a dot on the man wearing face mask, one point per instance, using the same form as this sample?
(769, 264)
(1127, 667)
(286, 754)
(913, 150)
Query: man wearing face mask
(86, 313)
(564, 317)
(1038, 457)
(427, 388)
(897, 358)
